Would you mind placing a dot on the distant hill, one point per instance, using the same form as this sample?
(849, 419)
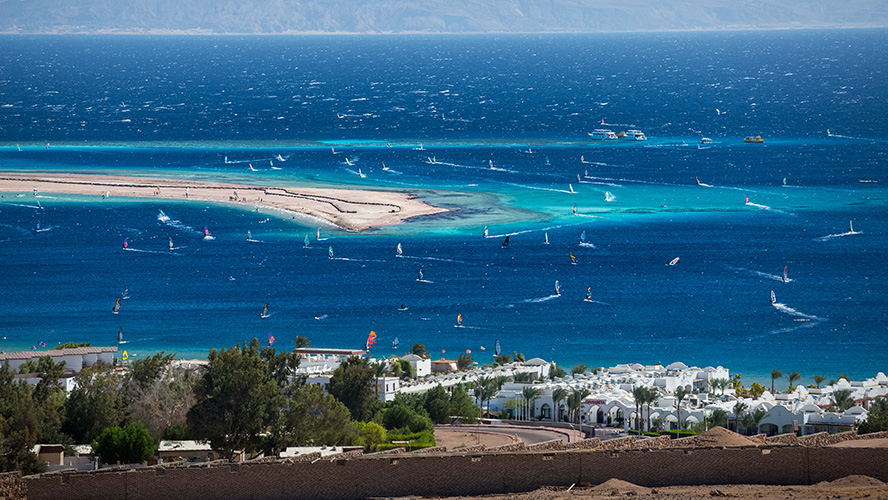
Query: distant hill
(429, 16)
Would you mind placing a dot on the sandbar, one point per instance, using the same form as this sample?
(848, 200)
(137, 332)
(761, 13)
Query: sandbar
(350, 209)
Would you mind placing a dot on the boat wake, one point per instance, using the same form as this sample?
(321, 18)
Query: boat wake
(775, 277)
(537, 188)
(805, 320)
(439, 259)
(162, 217)
(139, 250)
(831, 236)
(596, 302)
(587, 245)
(38, 207)
(209, 237)
(756, 205)
(251, 240)
(792, 312)
(541, 299)
(425, 281)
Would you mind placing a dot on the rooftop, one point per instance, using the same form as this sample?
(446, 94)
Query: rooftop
(75, 351)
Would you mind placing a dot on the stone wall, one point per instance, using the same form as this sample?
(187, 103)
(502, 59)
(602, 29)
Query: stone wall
(656, 443)
(555, 444)
(618, 444)
(12, 486)
(585, 444)
(787, 439)
(464, 474)
(431, 449)
(519, 446)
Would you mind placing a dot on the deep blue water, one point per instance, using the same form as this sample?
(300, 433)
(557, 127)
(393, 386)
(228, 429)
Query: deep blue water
(523, 105)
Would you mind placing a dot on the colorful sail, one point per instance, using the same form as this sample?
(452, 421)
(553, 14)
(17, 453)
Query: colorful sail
(249, 235)
(498, 348)
(125, 242)
(270, 339)
(773, 297)
(557, 288)
(120, 334)
(116, 308)
(575, 208)
(698, 180)
(673, 261)
(573, 260)
(459, 320)
(747, 200)
(419, 277)
(305, 243)
(851, 225)
(370, 340)
(395, 343)
(589, 294)
(265, 310)
(330, 252)
(171, 242)
(583, 237)
(206, 231)
(784, 274)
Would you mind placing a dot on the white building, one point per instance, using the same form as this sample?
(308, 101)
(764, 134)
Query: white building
(76, 358)
(421, 366)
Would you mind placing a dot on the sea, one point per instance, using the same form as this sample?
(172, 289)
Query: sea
(495, 128)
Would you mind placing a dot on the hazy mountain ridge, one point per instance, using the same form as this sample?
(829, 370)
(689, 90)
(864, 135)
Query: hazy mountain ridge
(431, 16)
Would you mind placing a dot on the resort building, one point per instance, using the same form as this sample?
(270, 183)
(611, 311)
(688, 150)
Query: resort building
(76, 358)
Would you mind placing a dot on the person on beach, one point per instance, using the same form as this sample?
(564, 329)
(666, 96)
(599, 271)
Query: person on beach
(187, 189)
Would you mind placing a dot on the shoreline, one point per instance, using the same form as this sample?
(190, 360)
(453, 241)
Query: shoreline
(350, 209)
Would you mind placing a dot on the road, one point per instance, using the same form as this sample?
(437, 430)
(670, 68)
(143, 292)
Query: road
(528, 435)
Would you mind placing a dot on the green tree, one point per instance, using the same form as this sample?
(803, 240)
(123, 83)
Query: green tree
(419, 350)
(793, 378)
(757, 417)
(718, 418)
(19, 421)
(580, 368)
(737, 383)
(524, 377)
(314, 418)
(147, 370)
(747, 421)
(352, 384)
(559, 394)
(404, 415)
(530, 395)
(461, 405)
(818, 379)
(842, 399)
(483, 389)
(679, 394)
(70, 345)
(302, 342)
(877, 419)
(236, 400)
(406, 368)
(739, 408)
(843, 376)
(130, 444)
(639, 393)
(436, 402)
(556, 371)
(502, 359)
(575, 403)
(163, 403)
(720, 384)
(518, 356)
(756, 390)
(96, 403)
(464, 361)
(651, 396)
(775, 374)
(371, 435)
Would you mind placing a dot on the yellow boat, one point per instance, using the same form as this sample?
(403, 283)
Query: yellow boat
(757, 139)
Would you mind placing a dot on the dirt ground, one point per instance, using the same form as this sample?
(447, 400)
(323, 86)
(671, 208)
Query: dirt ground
(851, 487)
(453, 438)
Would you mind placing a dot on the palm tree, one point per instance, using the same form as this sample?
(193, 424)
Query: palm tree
(819, 379)
(302, 341)
(757, 417)
(774, 376)
(680, 394)
(747, 422)
(558, 395)
(530, 395)
(580, 368)
(481, 388)
(650, 397)
(463, 362)
(792, 378)
(719, 384)
(381, 368)
(523, 377)
(639, 393)
(718, 418)
(575, 403)
(842, 399)
(739, 408)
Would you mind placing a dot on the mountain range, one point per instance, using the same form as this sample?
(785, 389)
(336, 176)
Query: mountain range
(430, 16)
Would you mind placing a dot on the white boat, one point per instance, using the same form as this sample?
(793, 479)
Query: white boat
(557, 288)
(608, 196)
(603, 134)
(399, 252)
(635, 135)
(705, 140)
(673, 261)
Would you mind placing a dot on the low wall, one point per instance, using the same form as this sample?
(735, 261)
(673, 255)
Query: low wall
(12, 486)
(464, 474)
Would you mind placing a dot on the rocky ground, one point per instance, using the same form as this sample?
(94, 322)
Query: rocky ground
(851, 487)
